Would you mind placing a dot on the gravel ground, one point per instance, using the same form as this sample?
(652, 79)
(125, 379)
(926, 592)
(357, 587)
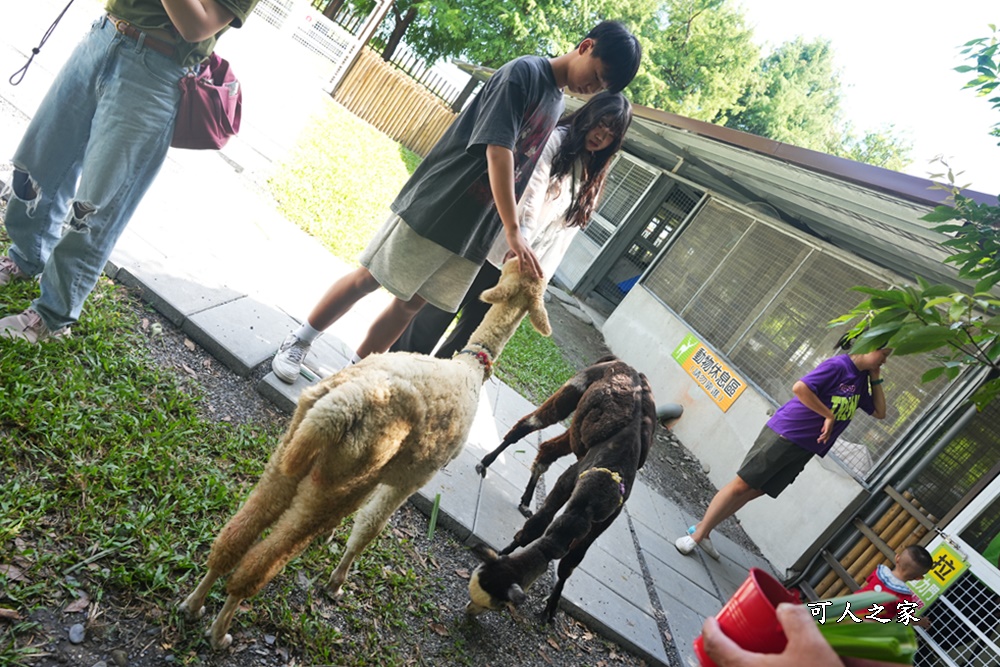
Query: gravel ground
(508, 640)
(127, 632)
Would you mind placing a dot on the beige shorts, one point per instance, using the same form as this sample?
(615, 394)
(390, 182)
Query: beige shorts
(406, 263)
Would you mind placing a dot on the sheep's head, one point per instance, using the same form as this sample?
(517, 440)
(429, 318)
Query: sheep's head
(493, 584)
(515, 286)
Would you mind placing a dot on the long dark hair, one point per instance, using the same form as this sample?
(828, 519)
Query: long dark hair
(614, 111)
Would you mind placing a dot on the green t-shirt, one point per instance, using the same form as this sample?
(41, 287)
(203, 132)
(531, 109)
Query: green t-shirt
(150, 15)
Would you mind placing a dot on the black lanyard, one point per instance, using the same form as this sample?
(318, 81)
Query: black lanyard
(18, 76)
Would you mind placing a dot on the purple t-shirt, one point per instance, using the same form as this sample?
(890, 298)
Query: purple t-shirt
(842, 388)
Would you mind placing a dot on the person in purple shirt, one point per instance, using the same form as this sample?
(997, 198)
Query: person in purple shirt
(824, 404)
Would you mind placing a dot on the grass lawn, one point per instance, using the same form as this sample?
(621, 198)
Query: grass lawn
(94, 511)
(340, 179)
(112, 488)
(338, 185)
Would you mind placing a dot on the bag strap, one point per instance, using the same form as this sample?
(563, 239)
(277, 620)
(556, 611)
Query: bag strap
(18, 76)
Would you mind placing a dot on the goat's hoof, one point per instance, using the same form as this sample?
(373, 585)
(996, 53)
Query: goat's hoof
(335, 593)
(525, 512)
(186, 609)
(220, 644)
(547, 618)
(481, 469)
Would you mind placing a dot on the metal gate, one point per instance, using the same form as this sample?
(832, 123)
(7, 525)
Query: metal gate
(644, 247)
(308, 27)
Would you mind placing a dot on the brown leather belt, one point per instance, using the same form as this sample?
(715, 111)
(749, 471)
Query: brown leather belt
(130, 31)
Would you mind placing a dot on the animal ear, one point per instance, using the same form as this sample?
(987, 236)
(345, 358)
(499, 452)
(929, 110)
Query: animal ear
(484, 553)
(516, 595)
(540, 318)
(499, 292)
(507, 284)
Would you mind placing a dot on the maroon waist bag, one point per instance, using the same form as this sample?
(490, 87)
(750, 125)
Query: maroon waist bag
(210, 109)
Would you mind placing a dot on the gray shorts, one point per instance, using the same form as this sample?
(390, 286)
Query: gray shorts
(773, 463)
(406, 263)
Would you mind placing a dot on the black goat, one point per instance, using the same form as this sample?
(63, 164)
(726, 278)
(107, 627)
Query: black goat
(612, 428)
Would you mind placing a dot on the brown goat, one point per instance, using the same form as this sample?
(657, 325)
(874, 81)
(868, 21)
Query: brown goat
(612, 429)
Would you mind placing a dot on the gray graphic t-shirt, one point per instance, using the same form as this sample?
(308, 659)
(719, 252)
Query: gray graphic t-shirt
(448, 199)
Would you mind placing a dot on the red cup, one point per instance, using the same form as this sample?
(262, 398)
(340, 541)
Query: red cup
(749, 618)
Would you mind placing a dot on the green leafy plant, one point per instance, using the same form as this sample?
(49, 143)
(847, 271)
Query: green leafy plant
(873, 640)
(984, 51)
(960, 328)
(115, 482)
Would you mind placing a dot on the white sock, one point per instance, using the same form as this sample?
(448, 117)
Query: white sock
(355, 358)
(306, 333)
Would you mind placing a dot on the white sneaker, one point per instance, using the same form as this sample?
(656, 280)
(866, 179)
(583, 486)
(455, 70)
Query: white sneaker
(709, 548)
(686, 545)
(287, 363)
(10, 271)
(30, 327)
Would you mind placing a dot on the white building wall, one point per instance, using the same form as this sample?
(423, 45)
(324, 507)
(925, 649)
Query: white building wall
(644, 333)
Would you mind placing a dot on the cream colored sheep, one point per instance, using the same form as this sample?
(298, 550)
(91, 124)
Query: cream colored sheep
(362, 441)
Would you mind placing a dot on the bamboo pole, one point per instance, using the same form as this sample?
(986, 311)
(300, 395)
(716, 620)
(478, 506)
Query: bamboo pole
(897, 527)
(857, 555)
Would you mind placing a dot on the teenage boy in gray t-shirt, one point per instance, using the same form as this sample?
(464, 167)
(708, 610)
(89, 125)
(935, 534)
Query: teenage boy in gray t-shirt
(464, 193)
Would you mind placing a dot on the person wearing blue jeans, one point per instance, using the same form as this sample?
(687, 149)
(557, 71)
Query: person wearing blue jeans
(94, 147)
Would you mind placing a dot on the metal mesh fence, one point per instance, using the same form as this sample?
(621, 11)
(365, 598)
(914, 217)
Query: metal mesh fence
(762, 298)
(965, 628)
(964, 462)
(646, 245)
(627, 182)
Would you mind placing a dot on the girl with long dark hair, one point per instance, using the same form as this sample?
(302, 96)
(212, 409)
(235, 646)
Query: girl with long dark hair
(559, 200)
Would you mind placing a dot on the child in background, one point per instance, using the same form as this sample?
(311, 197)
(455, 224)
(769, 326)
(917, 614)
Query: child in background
(912, 563)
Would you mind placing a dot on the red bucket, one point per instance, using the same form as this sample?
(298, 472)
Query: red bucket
(749, 619)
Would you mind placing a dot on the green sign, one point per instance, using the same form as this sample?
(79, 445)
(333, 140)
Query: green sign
(685, 348)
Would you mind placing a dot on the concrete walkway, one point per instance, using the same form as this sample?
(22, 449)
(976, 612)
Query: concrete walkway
(209, 251)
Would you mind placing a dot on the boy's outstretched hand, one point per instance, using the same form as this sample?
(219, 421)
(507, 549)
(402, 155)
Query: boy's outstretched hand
(525, 256)
(806, 645)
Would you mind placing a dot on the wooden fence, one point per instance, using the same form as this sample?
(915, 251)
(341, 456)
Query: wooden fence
(393, 102)
(905, 522)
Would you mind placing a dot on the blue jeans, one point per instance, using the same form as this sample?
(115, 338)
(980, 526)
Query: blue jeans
(90, 153)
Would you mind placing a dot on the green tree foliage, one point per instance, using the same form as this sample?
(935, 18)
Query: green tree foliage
(492, 32)
(794, 97)
(883, 148)
(961, 328)
(698, 57)
(699, 61)
(983, 52)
